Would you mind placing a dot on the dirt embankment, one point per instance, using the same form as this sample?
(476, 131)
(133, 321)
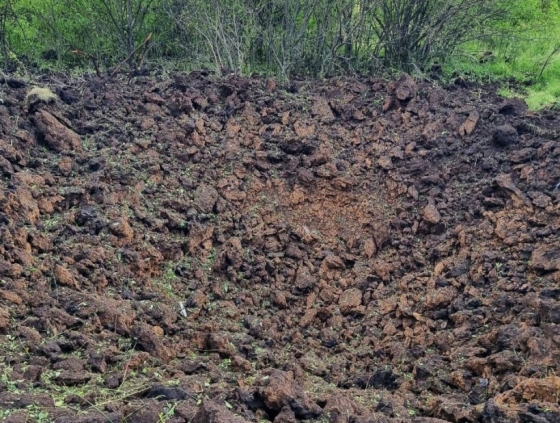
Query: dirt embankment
(192, 249)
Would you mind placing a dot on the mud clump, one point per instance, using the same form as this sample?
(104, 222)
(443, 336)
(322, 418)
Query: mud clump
(204, 249)
(505, 135)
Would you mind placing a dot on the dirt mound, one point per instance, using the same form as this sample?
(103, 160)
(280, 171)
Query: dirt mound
(186, 248)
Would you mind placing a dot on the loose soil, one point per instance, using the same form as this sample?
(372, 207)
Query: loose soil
(187, 248)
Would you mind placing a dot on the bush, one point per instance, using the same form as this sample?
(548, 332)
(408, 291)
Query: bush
(314, 38)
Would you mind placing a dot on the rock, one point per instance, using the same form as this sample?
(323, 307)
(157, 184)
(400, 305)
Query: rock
(334, 262)
(533, 389)
(27, 179)
(308, 317)
(151, 342)
(213, 412)
(303, 130)
(178, 104)
(57, 136)
(442, 297)
(469, 125)
(23, 203)
(282, 390)
(37, 400)
(71, 363)
(197, 300)
(286, 415)
(12, 82)
(270, 85)
(341, 409)
(305, 176)
(11, 270)
(494, 414)
(73, 377)
(297, 196)
(522, 156)
(396, 153)
(220, 343)
(350, 300)
(304, 279)
(9, 152)
(554, 315)
(369, 248)
(504, 361)
(540, 200)
(388, 104)
(505, 182)
(153, 98)
(97, 362)
(546, 258)
(294, 252)
(122, 229)
(205, 198)
(279, 299)
(65, 166)
(240, 364)
(323, 111)
(33, 373)
(431, 214)
(505, 135)
(405, 88)
(64, 277)
(385, 163)
(4, 318)
(6, 167)
(505, 406)
(453, 408)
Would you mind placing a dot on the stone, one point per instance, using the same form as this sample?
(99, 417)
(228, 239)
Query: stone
(469, 125)
(334, 262)
(65, 166)
(431, 214)
(286, 415)
(205, 198)
(350, 300)
(322, 111)
(282, 390)
(546, 257)
(57, 136)
(405, 88)
(148, 339)
(213, 412)
(64, 277)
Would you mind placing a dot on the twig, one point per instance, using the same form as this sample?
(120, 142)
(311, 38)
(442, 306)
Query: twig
(143, 54)
(556, 50)
(120, 65)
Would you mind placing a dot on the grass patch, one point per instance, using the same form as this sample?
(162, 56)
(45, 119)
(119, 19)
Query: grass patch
(526, 65)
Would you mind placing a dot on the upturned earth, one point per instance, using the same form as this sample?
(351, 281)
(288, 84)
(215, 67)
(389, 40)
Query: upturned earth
(192, 248)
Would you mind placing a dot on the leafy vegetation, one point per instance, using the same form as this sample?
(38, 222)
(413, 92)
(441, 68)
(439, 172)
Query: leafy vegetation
(526, 63)
(514, 42)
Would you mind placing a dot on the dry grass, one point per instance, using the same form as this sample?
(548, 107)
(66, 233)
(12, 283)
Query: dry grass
(40, 95)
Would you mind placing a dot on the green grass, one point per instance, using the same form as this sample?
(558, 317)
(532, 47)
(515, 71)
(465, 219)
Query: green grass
(518, 77)
(526, 65)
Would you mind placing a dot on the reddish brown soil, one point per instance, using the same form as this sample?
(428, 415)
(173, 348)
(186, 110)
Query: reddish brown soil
(192, 249)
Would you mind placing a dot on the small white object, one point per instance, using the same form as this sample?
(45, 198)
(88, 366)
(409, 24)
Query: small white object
(182, 309)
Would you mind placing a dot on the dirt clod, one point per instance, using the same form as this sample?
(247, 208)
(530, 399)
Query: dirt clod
(505, 135)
